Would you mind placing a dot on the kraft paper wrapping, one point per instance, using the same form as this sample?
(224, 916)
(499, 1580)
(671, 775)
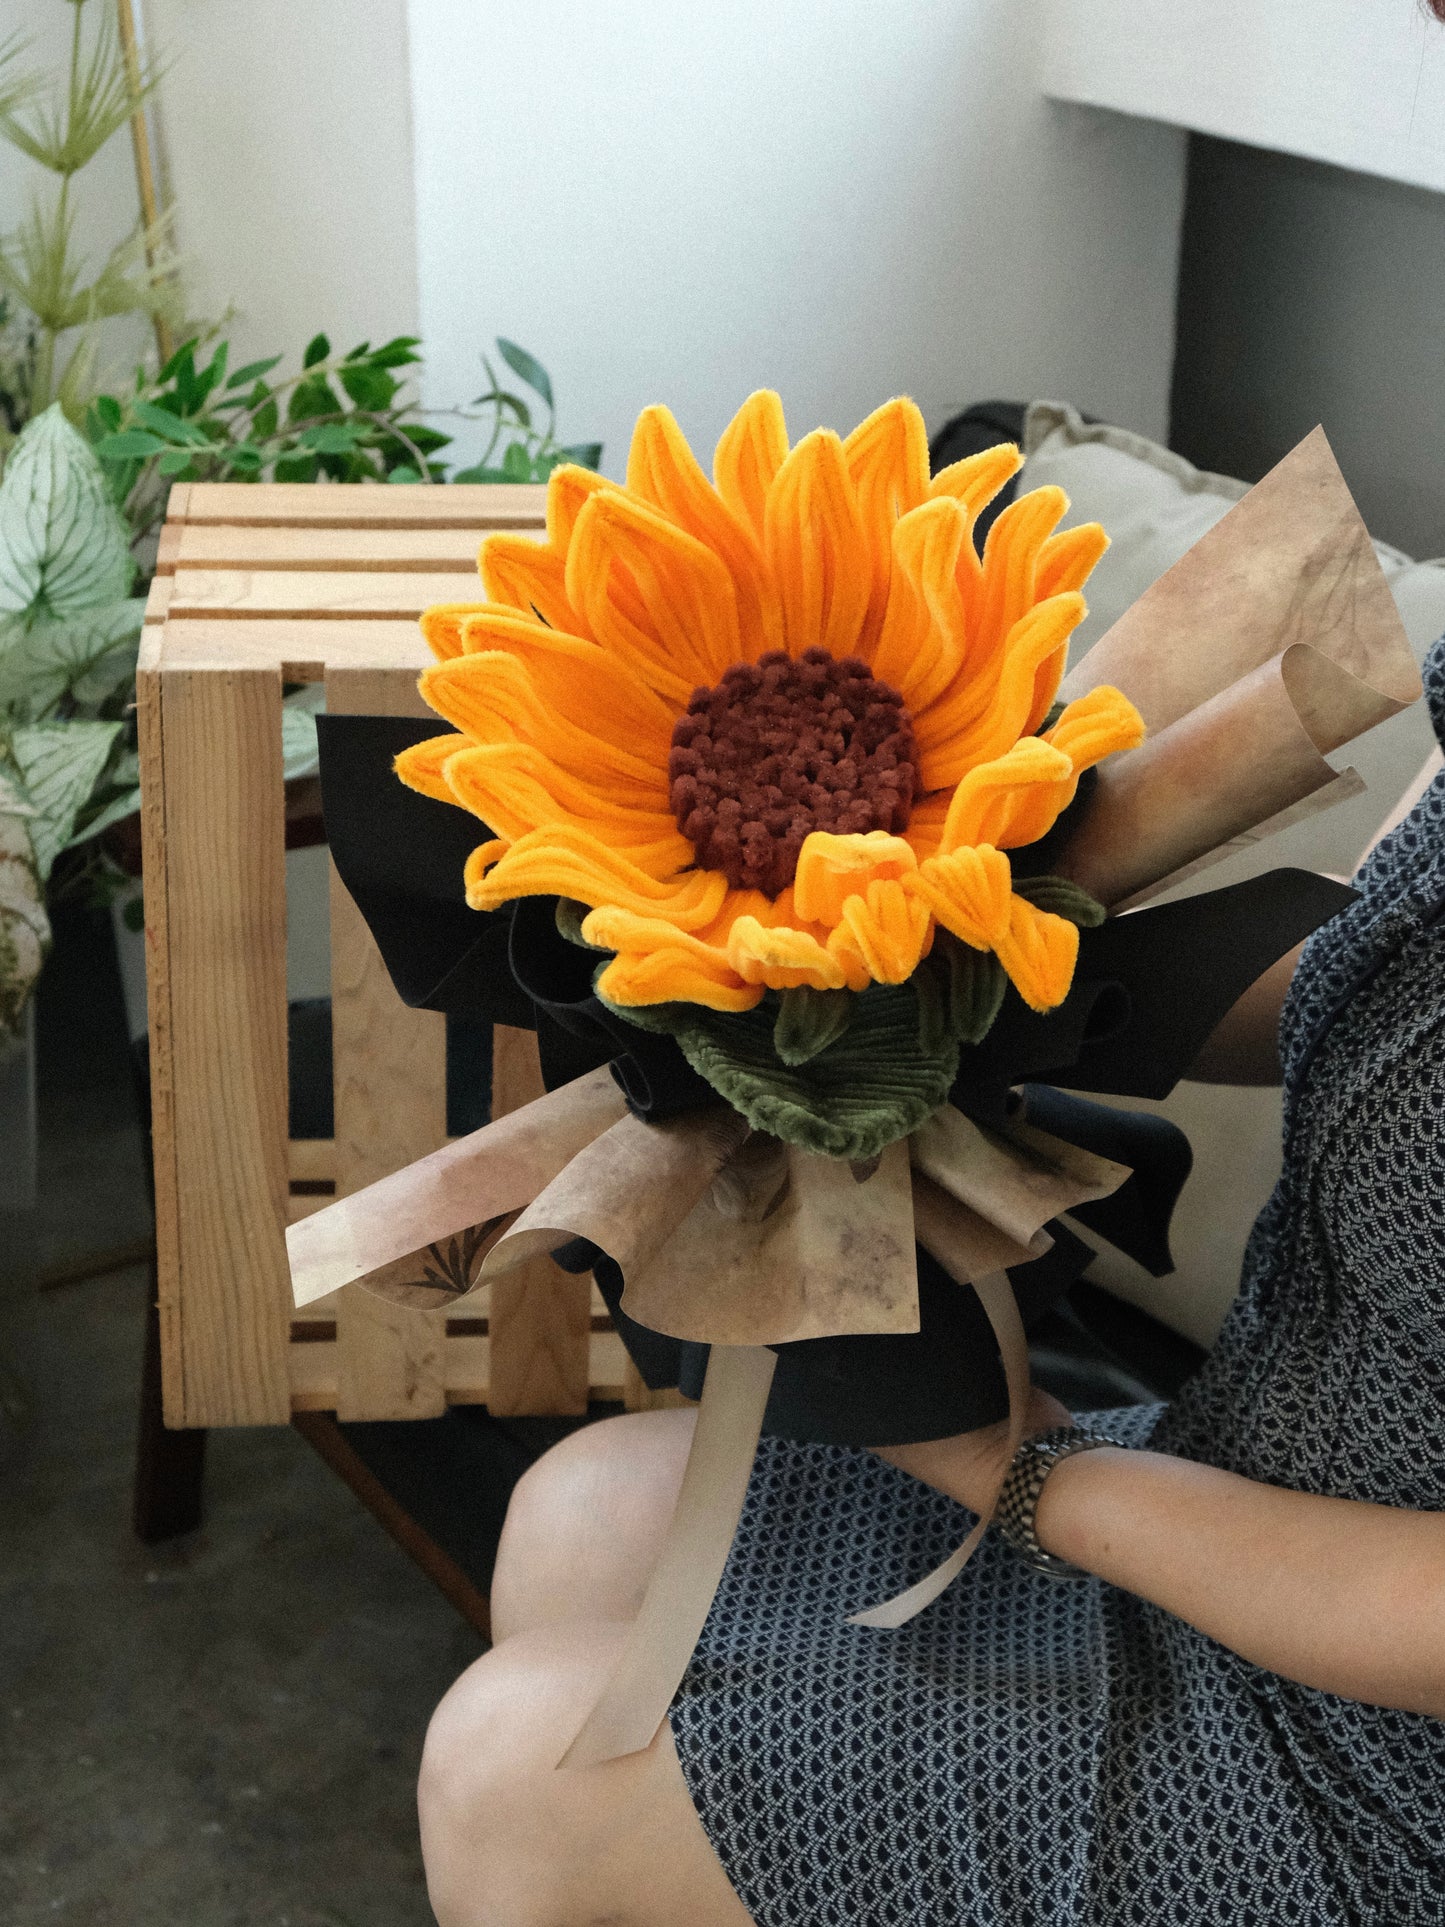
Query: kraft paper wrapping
(1274, 641)
(454, 1194)
(1016, 1184)
(834, 1255)
(660, 1641)
(627, 1191)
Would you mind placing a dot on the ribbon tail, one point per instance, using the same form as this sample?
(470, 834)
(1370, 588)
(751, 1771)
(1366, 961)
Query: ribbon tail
(635, 1700)
(997, 1298)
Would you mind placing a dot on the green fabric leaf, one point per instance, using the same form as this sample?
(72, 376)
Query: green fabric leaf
(63, 546)
(1061, 898)
(861, 1093)
(972, 985)
(59, 764)
(809, 1020)
(129, 445)
(317, 349)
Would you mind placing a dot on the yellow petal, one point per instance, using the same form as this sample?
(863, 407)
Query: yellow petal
(441, 626)
(1011, 554)
(478, 864)
(981, 803)
(975, 723)
(578, 680)
(978, 478)
(494, 697)
(653, 596)
(922, 650)
(663, 472)
(970, 892)
(781, 958)
(562, 860)
(1067, 560)
(569, 489)
(1039, 952)
(420, 765)
(750, 451)
(515, 788)
(526, 576)
(817, 549)
(1095, 725)
(887, 457)
(832, 868)
(672, 976)
(891, 929)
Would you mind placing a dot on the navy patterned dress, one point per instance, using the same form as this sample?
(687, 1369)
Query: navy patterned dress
(1031, 1752)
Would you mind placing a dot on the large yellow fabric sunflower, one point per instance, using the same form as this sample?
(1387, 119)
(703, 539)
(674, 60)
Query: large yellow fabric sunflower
(774, 728)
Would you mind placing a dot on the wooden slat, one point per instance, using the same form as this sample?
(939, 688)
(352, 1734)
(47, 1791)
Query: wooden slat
(158, 599)
(225, 594)
(367, 550)
(300, 650)
(149, 729)
(313, 1371)
(221, 1128)
(540, 1315)
(345, 505)
(390, 1084)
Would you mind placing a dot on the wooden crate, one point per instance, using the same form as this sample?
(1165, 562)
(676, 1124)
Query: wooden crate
(307, 583)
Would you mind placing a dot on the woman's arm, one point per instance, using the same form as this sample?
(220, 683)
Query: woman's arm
(1333, 1593)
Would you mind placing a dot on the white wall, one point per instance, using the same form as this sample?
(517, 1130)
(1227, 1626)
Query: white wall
(835, 198)
(1359, 83)
(285, 131)
(287, 135)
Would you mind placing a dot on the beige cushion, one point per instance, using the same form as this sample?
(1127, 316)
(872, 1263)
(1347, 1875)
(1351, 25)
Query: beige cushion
(1154, 506)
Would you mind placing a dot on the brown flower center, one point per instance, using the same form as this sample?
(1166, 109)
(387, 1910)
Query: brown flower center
(780, 748)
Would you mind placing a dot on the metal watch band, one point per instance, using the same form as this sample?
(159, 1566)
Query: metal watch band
(1018, 1500)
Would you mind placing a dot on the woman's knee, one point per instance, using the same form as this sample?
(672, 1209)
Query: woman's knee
(586, 1523)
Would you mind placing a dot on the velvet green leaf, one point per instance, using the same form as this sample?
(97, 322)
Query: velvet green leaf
(809, 1020)
(1062, 898)
(861, 1093)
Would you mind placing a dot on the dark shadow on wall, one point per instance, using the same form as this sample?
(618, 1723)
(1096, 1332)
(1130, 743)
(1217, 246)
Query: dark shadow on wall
(1312, 294)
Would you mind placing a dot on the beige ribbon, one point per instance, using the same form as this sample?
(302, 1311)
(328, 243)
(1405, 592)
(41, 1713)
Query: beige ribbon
(933, 1215)
(635, 1700)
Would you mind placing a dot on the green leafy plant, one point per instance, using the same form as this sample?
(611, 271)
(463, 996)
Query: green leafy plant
(57, 298)
(519, 450)
(69, 628)
(341, 418)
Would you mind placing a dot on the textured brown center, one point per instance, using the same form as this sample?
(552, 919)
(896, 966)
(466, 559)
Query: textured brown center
(779, 748)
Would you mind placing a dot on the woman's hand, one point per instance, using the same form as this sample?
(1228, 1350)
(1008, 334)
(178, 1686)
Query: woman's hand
(968, 1467)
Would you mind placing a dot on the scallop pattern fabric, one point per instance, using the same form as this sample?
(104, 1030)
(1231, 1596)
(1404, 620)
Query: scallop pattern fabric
(1040, 1753)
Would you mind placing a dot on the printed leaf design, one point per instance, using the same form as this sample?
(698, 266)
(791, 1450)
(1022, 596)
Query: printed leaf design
(63, 547)
(24, 926)
(59, 764)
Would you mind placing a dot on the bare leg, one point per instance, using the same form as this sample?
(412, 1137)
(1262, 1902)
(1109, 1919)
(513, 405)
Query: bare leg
(586, 1523)
(509, 1841)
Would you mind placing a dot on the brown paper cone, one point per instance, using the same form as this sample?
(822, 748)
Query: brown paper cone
(461, 1189)
(1291, 562)
(1272, 642)
(833, 1256)
(1244, 760)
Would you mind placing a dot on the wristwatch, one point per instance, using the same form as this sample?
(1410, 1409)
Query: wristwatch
(1024, 1481)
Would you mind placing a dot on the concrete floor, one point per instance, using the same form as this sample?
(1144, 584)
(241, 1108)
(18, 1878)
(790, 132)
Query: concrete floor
(223, 1731)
